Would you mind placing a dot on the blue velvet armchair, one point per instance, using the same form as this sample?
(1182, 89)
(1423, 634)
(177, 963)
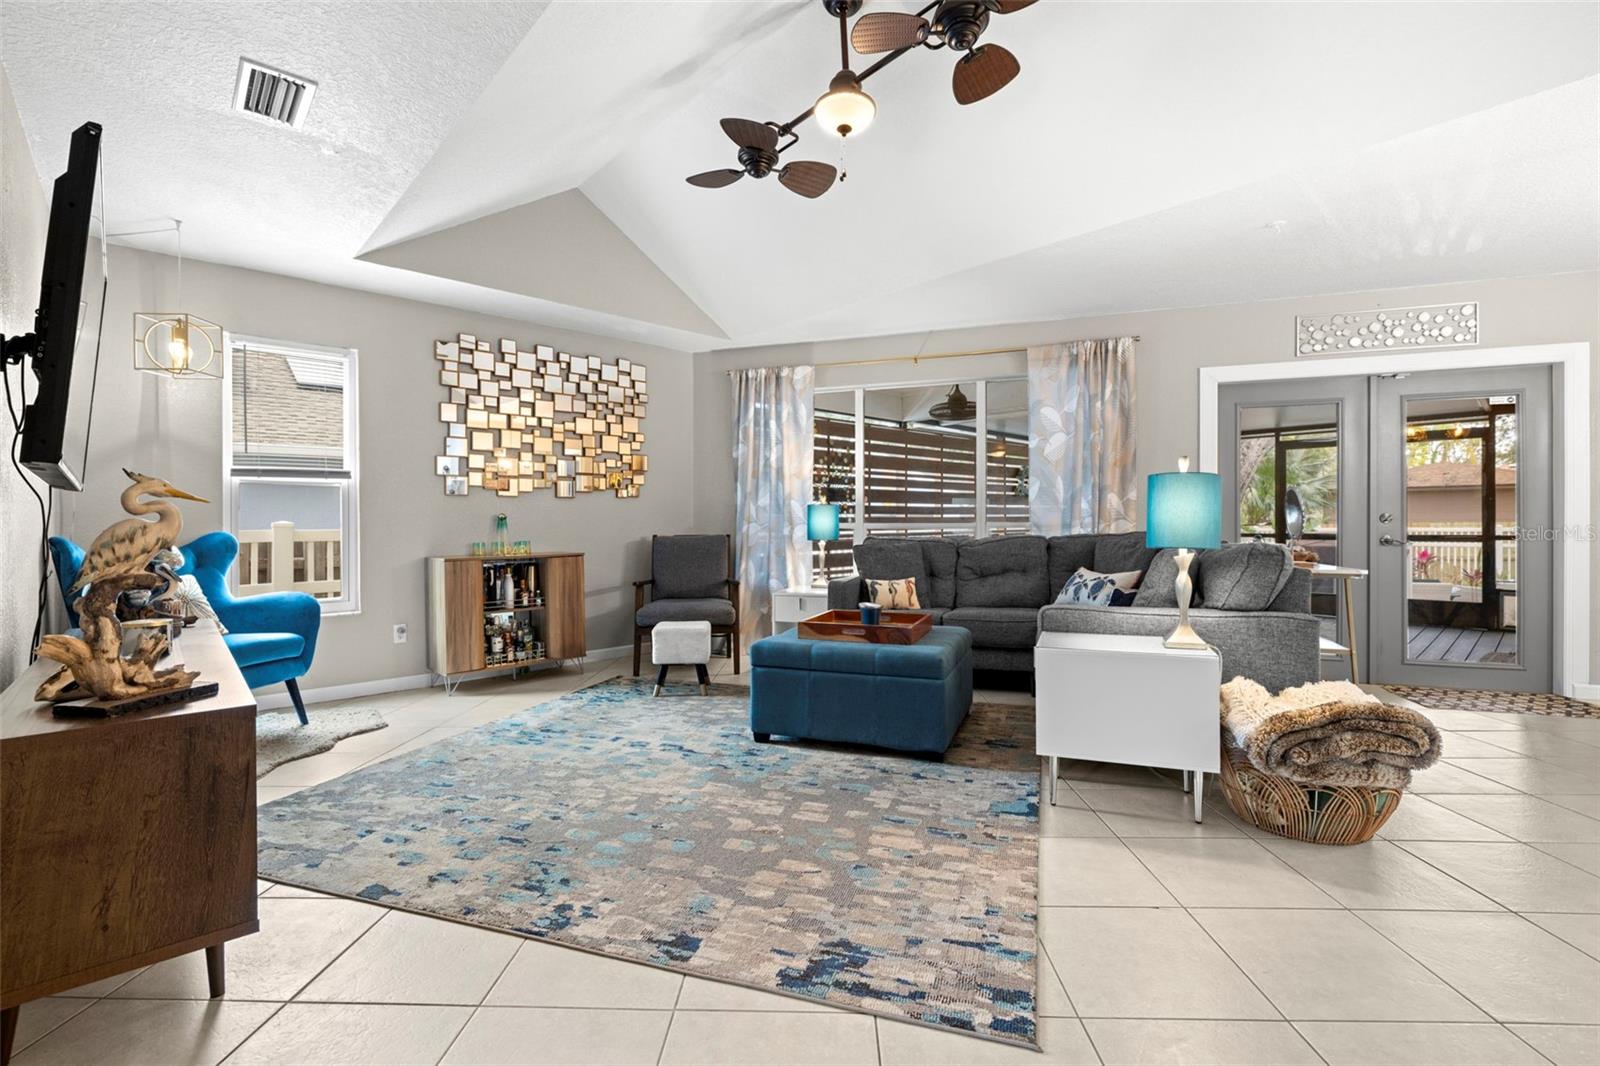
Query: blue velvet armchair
(272, 636)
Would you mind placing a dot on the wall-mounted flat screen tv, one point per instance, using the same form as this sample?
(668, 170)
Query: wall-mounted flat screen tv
(55, 429)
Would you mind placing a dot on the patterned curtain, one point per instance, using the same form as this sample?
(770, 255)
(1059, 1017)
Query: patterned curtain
(1080, 437)
(772, 430)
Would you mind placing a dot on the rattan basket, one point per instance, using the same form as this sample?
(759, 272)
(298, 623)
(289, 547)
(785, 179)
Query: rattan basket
(1317, 814)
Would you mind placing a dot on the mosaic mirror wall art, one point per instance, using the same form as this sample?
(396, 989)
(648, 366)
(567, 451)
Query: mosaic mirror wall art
(521, 421)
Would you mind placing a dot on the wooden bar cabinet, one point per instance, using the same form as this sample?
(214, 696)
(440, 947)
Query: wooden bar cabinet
(478, 623)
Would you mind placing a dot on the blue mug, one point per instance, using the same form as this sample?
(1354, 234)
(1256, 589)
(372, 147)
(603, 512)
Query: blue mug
(871, 613)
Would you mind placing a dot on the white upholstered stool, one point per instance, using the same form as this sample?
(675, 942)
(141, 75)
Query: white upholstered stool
(681, 644)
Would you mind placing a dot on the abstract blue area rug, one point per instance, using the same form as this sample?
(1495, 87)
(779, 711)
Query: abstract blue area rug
(658, 831)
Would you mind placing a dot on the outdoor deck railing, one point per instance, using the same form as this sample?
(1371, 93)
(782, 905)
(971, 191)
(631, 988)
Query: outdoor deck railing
(285, 558)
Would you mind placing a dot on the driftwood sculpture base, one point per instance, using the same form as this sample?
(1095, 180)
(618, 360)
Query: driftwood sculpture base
(113, 708)
(94, 665)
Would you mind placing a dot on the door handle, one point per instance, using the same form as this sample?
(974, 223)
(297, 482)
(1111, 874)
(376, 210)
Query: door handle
(1389, 542)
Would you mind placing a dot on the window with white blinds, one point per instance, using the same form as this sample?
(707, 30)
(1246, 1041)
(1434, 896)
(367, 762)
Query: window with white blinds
(915, 456)
(289, 414)
(290, 456)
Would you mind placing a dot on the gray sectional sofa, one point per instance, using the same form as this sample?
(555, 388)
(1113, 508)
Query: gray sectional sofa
(1002, 590)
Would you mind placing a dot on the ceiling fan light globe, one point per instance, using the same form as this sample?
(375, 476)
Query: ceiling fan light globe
(845, 110)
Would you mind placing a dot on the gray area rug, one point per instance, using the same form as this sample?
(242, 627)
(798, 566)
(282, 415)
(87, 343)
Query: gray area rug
(280, 737)
(658, 831)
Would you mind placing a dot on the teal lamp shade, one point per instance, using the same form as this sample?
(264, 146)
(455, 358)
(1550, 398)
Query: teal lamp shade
(1184, 511)
(822, 521)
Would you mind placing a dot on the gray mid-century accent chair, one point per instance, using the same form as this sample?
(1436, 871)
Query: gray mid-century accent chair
(691, 580)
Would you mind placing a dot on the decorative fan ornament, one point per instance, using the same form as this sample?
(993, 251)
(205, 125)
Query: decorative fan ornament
(846, 110)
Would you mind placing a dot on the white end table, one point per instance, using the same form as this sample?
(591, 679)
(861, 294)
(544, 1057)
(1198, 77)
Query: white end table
(1332, 649)
(1126, 699)
(793, 606)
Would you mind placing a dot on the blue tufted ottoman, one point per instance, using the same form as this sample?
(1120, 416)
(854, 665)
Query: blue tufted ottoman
(910, 697)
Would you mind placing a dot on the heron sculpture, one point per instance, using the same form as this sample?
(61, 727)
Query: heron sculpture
(118, 561)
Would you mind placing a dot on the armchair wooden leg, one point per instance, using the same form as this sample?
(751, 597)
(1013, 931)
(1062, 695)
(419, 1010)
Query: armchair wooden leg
(299, 705)
(636, 652)
(734, 638)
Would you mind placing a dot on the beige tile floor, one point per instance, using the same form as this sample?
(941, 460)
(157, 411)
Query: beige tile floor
(1469, 933)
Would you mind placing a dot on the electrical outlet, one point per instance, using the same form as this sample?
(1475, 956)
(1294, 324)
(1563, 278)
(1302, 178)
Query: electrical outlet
(400, 633)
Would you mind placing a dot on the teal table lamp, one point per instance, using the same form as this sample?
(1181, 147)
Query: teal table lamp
(822, 522)
(1184, 512)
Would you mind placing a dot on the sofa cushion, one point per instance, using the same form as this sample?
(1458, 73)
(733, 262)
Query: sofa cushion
(997, 627)
(716, 611)
(252, 649)
(1159, 588)
(1116, 552)
(1067, 554)
(690, 566)
(939, 555)
(1296, 595)
(1002, 572)
(890, 559)
(1246, 577)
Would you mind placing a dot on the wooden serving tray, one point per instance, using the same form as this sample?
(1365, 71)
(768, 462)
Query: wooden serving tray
(896, 627)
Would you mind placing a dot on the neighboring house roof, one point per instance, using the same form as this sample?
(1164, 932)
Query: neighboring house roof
(1456, 476)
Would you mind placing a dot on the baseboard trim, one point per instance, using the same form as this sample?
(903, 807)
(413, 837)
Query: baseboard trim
(1584, 691)
(276, 696)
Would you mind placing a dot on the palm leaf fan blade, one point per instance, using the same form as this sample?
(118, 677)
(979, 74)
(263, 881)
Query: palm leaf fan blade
(888, 31)
(715, 179)
(983, 72)
(807, 178)
(747, 133)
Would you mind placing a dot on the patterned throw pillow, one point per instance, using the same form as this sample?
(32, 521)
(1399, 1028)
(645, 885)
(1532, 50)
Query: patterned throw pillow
(897, 595)
(1103, 590)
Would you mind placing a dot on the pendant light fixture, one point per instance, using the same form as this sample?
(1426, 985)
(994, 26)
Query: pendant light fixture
(845, 109)
(176, 344)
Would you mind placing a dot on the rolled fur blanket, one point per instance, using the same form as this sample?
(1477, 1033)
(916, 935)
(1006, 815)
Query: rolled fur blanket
(1327, 733)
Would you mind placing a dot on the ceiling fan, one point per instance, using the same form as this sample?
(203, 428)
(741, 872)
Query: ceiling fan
(956, 24)
(846, 110)
(758, 157)
(955, 408)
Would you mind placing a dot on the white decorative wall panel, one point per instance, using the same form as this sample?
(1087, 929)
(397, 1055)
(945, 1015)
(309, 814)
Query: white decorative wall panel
(1437, 326)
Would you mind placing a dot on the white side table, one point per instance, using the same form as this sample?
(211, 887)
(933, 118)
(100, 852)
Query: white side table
(1125, 699)
(1331, 649)
(793, 606)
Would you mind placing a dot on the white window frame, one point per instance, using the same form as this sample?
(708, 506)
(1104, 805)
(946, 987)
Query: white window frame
(860, 527)
(349, 549)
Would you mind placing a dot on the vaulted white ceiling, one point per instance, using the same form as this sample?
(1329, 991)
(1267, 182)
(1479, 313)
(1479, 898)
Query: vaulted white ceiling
(528, 159)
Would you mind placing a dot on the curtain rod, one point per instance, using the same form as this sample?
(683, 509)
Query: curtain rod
(919, 358)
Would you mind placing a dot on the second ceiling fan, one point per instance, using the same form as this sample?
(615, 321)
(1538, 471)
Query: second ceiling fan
(845, 109)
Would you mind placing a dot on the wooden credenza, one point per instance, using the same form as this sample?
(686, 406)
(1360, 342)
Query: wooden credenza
(124, 841)
(464, 605)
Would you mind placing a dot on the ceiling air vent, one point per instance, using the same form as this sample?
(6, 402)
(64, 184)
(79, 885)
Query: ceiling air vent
(272, 94)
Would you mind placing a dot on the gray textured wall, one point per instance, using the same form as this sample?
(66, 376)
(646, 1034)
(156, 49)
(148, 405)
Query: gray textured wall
(173, 428)
(24, 217)
(1175, 345)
